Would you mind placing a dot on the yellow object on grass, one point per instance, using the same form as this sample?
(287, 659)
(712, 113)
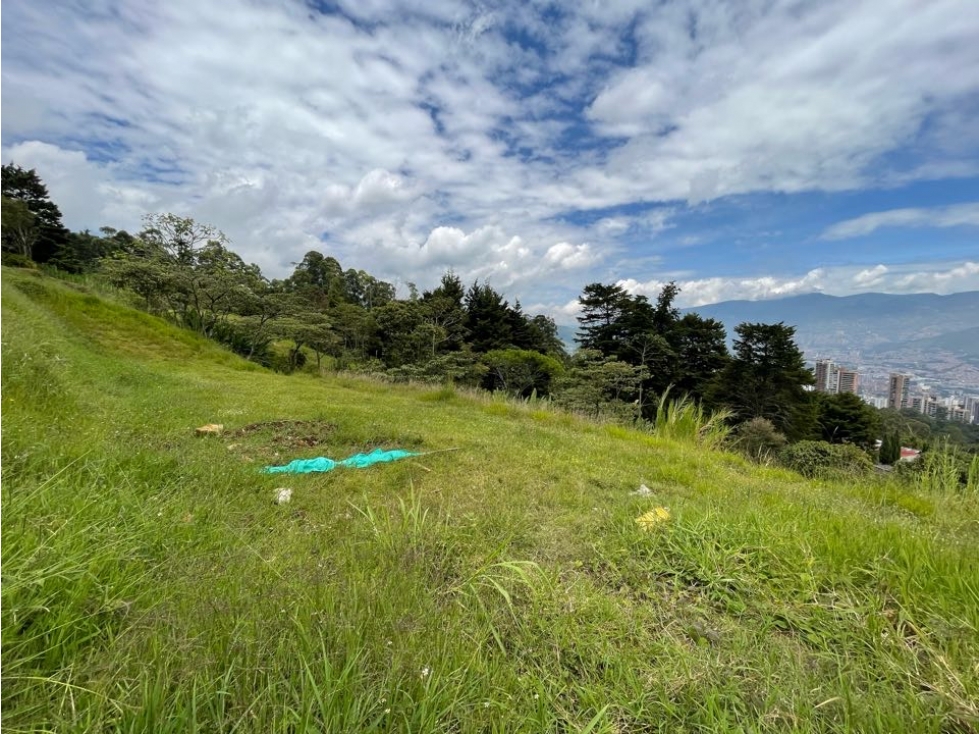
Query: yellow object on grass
(649, 520)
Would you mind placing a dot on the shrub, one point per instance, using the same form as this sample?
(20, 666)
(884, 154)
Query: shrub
(759, 439)
(818, 459)
(14, 260)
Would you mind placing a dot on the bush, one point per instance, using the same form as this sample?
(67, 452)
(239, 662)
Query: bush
(818, 459)
(759, 439)
(15, 260)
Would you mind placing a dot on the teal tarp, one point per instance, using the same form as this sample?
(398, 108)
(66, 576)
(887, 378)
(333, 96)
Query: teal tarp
(357, 461)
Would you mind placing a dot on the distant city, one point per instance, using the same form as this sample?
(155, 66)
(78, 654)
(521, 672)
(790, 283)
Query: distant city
(897, 391)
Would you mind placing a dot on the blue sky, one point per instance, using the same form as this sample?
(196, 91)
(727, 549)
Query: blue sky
(745, 149)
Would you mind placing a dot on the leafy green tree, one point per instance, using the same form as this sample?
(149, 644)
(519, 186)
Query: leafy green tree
(404, 335)
(363, 289)
(602, 387)
(665, 315)
(49, 234)
(701, 353)
(655, 355)
(845, 418)
(767, 379)
(544, 336)
(445, 310)
(357, 329)
(20, 229)
(82, 251)
(186, 270)
(521, 372)
(313, 330)
(260, 308)
(320, 281)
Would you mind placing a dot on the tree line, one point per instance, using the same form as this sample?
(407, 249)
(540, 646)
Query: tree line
(631, 350)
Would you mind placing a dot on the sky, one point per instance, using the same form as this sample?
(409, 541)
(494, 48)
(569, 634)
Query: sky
(745, 149)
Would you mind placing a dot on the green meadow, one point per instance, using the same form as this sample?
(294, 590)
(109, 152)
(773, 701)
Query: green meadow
(151, 584)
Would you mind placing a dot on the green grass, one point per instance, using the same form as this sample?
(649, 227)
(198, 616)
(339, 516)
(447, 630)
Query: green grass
(151, 585)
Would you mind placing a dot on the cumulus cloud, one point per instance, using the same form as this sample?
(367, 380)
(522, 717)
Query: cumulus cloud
(871, 276)
(568, 256)
(404, 138)
(942, 216)
(379, 190)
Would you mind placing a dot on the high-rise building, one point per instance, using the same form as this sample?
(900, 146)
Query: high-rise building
(825, 372)
(831, 378)
(897, 394)
(848, 380)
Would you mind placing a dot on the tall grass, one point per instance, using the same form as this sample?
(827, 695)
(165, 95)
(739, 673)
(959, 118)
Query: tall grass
(684, 419)
(940, 472)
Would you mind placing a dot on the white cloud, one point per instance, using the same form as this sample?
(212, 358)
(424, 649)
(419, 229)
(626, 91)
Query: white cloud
(711, 290)
(871, 276)
(943, 216)
(378, 191)
(569, 257)
(941, 278)
(406, 138)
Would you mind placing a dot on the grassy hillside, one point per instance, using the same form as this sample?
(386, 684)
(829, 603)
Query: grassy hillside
(151, 585)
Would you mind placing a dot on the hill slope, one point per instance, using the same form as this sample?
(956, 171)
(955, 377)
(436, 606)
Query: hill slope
(150, 584)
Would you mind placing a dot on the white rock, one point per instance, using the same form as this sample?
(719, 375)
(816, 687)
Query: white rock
(643, 491)
(282, 495)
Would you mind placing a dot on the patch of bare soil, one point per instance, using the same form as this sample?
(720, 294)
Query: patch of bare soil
(288, 433)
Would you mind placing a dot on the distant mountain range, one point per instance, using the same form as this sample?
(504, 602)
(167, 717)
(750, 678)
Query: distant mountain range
(933, 337)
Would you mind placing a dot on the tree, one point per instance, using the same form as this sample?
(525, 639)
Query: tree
(20, 229)
(313, 330)
(260, 309)
(845, 418)
(178, 239)
(544, 336)
(602, 311)
(601, 386)
(701, 353)
(319, 280)
(26, 186)
(185, 270)
(444, 310)
(665, 314)
(487, 319)
(890, 449)
(653, 353)
(767, 379)
(520, 372)
(404, 335)
(83, 250)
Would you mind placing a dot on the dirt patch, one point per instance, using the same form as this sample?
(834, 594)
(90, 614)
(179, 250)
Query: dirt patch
(288, 433)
